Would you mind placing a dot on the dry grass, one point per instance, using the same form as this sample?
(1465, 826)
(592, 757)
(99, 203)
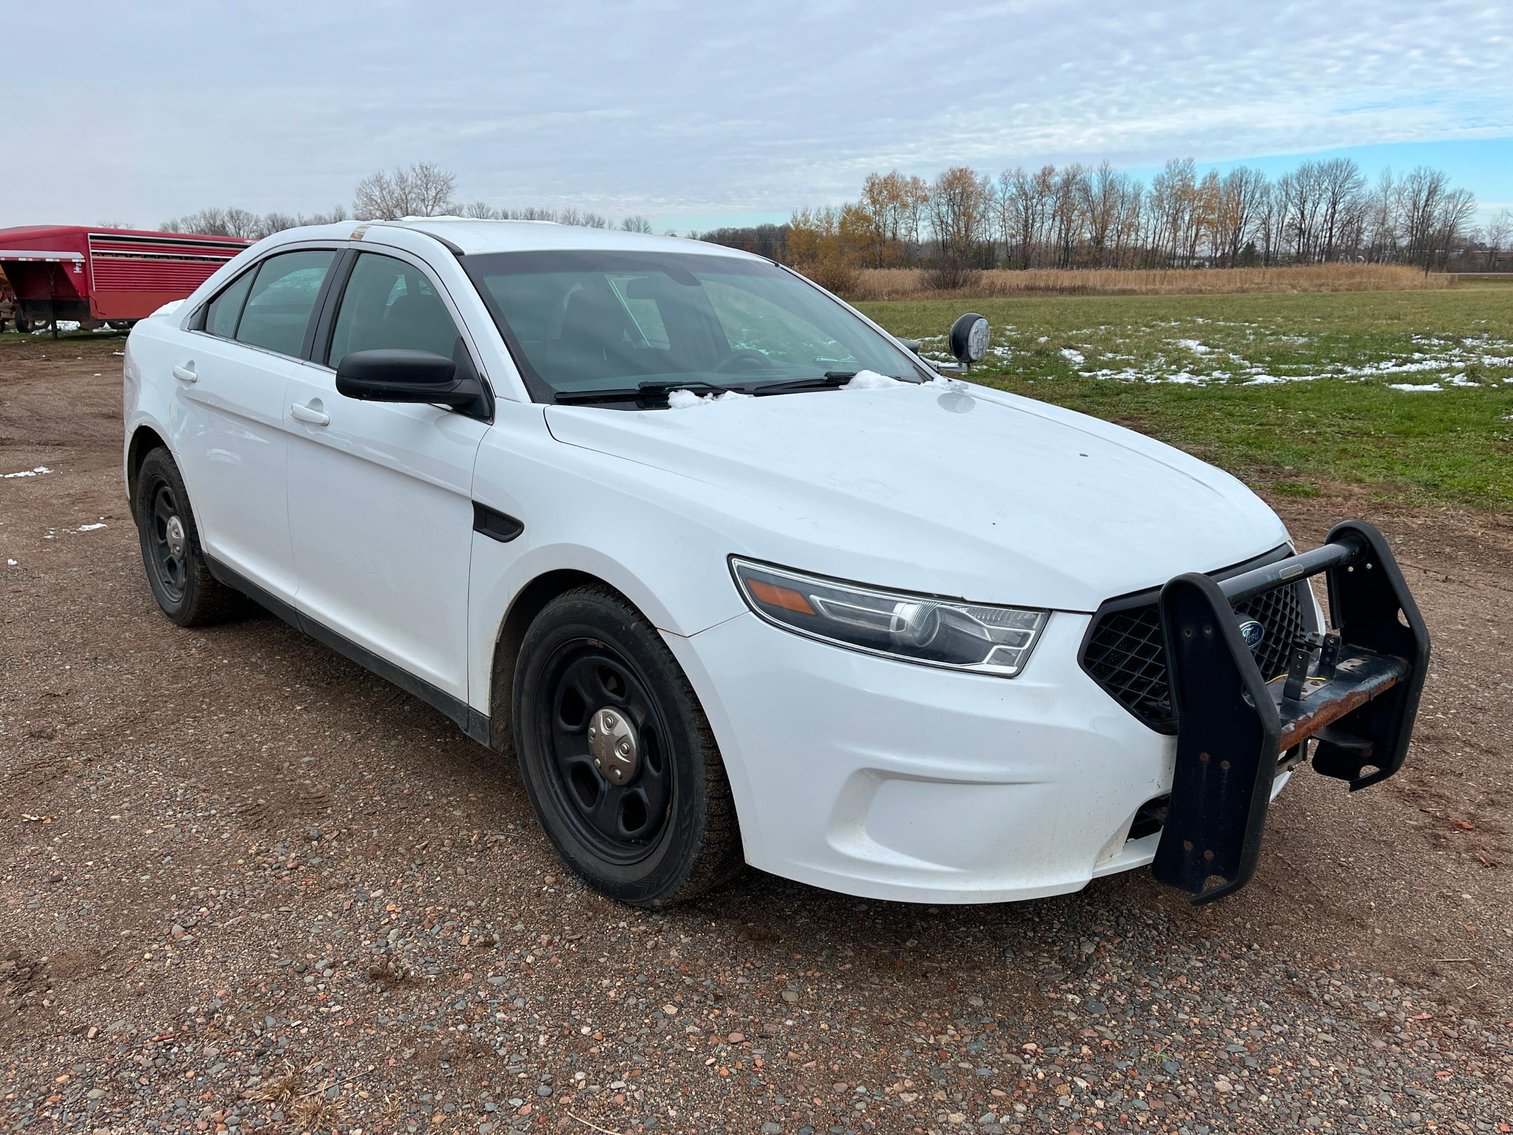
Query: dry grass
(909, 283)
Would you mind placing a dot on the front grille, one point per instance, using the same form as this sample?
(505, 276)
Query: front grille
(1125, 654)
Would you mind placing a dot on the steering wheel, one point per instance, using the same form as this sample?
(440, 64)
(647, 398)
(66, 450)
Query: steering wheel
(745, 359)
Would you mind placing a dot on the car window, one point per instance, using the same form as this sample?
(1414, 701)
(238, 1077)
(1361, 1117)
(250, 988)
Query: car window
(226, 308)
(752, 323)
(387, 304)
(282, 299)
(584, 320)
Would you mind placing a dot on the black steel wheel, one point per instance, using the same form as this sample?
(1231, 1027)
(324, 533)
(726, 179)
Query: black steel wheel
(176, 570)
(616, 754)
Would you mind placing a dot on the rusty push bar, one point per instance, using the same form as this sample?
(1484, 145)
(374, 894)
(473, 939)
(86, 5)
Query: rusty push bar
(1233, 725)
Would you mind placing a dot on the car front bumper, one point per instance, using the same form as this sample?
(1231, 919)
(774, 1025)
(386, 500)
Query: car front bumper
(891, 780)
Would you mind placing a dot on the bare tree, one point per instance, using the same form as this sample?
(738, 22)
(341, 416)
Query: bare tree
(635, 224)
(1448, 226)
(1499, 232)
(960, 203)
(1340, 185)
(1242, 197)
(421, 189)
(1102, 200)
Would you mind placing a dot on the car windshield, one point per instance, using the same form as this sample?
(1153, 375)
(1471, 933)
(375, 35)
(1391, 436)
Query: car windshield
(579, 322)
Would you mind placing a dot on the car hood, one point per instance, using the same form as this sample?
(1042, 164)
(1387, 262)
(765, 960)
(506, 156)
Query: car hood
(947, 488)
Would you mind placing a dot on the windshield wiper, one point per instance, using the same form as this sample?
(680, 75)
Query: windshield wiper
(643, 392)
(830, 380)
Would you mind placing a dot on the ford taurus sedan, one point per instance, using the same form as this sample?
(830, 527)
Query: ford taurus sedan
(738, 576)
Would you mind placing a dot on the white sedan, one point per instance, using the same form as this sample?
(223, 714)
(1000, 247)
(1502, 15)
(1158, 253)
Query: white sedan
(739, 576)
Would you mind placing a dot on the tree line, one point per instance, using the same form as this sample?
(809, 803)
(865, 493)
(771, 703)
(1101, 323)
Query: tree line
(1081, 216)
(421, 189)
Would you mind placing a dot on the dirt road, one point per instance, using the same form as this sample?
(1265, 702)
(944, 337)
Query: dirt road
(246, 885)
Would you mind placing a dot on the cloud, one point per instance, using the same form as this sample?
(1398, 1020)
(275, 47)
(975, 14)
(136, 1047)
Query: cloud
(657, 106)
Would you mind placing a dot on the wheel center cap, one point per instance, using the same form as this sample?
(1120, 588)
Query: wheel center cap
(612, 744)
(176, 535)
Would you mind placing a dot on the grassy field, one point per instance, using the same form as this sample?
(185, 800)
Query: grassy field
(1407, 393)
(911, 283)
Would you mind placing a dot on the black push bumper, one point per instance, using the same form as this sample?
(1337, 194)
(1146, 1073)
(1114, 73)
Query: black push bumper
(1353, 691)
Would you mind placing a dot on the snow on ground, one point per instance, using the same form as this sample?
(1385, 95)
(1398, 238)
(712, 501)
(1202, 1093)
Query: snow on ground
(1442, 362)
(92, 527)
(1194, 346)
(39, 471)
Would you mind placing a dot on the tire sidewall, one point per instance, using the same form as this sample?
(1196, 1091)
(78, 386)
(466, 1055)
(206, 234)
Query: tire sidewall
(159, 469)
(579, 616)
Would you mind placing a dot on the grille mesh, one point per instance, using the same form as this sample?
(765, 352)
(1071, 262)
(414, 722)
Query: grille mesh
(1125, 654)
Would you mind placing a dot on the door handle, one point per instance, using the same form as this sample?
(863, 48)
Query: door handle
(310, 412)
(185, 373)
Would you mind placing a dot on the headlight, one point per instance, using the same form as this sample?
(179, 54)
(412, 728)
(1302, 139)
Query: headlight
(918, 628)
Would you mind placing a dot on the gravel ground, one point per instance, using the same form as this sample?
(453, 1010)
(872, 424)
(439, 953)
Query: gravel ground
(247, 886)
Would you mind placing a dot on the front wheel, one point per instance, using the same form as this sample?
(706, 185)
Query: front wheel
(617, 756)
(170, 540)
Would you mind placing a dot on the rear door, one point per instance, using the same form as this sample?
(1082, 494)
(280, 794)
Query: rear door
(228, 415)
(380, 493)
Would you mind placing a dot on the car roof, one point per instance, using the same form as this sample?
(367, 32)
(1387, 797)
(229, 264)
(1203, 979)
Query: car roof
(472, 237)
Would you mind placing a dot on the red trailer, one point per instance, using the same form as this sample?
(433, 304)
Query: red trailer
(105, 275)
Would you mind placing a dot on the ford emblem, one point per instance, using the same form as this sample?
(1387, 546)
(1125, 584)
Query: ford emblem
(1252, 632)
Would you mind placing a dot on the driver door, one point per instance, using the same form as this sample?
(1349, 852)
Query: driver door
(380, 493)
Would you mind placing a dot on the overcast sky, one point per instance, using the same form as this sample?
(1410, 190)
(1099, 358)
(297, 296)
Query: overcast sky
(699, 112)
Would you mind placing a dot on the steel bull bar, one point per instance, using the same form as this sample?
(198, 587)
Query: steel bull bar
(1354, 691)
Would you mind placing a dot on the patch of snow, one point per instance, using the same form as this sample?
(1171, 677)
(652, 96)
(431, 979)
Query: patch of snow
(1194, 346)
(948, 382)
(1073, 356)
(684, 399)
(92, 527)
(10, 563)
(63, 325)
(870, 380)
(37, 472)
(1413, 387)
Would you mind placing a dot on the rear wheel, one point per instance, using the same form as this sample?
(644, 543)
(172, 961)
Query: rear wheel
(617, 756)
(176, 570)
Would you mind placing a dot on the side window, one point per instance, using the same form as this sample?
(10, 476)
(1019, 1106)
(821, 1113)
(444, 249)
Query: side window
(226, 308)
(282, 299)
(388, 304)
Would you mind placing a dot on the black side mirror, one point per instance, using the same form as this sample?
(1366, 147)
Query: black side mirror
(970, 336)
(394, 375)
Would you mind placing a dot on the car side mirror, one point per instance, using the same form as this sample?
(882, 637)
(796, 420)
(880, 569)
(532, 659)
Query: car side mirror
(969, 338)
(395, 375)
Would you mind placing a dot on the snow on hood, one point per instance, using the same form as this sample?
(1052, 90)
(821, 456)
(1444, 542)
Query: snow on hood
(947, 488)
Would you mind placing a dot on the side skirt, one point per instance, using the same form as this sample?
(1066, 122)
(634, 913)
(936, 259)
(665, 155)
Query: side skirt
(475, 724)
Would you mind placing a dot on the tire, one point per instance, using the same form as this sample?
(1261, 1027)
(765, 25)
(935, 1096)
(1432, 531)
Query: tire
(176, 570)
(654, 828)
